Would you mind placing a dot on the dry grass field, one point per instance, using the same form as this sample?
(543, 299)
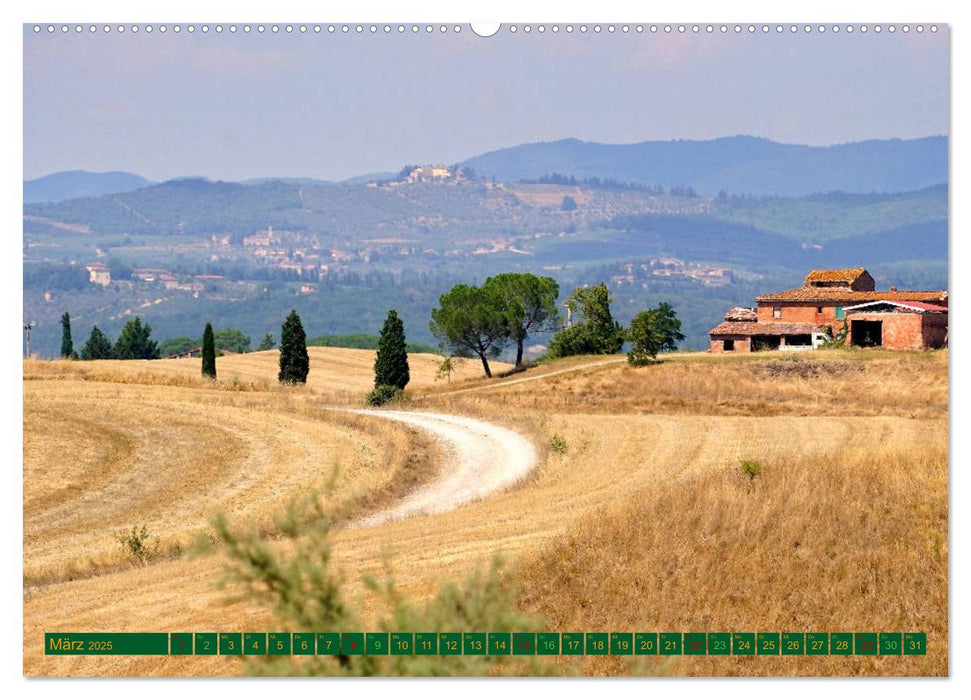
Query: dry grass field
(637, 517)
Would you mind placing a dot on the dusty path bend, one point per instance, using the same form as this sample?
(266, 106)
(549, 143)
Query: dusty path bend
(481, 458)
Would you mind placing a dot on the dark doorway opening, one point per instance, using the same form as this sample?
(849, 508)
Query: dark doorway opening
(799, 339)
(866, 334)
(765, 342)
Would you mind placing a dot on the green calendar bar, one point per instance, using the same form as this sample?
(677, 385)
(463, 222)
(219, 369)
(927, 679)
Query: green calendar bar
(621, 643)
(278, 644)
(597, 644)
(180, 644)
(669, 643)
(329, 643)
(230, 644)
(891, 643)
(758, 644)
(254, 643)
(450, 644)
(426, 644)
(743, 644)
(474, 643)
(719, 644)
(768, 643)
(377, 644)
(645, 643)
(817, 643)
(402, 643)
(207, 643)
(793, 643)
(694, 643)
(841, 643)
(524, 643)
(915, 643)
(304, 643)
(352, 643)
(572, 643)
(548, 644)
(106, 644)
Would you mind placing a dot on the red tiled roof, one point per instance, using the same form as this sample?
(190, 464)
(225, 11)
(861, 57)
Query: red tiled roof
(838, 294)
(749, 328)
(847, 275)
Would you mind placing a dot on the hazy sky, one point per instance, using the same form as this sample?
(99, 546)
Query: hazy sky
(331, 106)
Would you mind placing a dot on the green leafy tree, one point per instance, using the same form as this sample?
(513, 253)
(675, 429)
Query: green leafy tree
(653, 331)
(231, 339)
(569, 203)
(67, 345)
(528, 303)
(596, 332)
(97, 347)
(208, 353)
(471, 320)
(268, 342)
(176, 346)
(391, 362)
(294, 360)
(135, 342)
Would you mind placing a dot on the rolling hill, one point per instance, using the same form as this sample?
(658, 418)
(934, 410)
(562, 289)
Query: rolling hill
(72, 184)
(741, 164)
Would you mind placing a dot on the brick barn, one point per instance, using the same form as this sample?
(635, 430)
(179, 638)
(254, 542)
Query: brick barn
(832, 303)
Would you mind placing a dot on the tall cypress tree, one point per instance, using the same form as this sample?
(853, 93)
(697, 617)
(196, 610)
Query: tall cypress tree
(294, 361)
(67, 345)
(208, 353)
(391, 363)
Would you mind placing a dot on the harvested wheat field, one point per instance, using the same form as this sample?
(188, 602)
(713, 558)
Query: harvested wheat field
(637, 516)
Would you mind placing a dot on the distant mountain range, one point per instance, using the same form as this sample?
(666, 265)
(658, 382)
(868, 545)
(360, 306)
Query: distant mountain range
(738, 164)
(73, 184)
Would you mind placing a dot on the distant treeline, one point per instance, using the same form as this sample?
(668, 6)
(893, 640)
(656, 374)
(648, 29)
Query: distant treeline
(608, 184)
(363, 341)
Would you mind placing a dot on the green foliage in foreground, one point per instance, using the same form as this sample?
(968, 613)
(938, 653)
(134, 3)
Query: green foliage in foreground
(363, 341)
(306, 593)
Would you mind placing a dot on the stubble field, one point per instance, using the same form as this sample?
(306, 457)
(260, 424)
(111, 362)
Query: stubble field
(637, 516)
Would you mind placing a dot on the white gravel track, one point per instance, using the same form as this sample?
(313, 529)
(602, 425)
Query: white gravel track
(480, 459)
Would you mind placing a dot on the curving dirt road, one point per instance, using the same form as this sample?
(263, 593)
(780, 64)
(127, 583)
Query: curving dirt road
(481, 458)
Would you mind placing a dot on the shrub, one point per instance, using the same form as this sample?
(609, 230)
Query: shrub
(558, 443)
(139, 545)
(383, 394)
(751, 469)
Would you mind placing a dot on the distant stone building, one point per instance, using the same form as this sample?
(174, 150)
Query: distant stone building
(98, 273)
(832, 303)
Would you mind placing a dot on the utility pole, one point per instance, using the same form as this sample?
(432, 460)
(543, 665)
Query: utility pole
(27, 328)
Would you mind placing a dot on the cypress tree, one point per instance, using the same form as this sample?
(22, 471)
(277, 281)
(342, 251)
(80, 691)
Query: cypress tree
(97, 347)
(208, 353)
(67, 345)
(391, 363)
(294, 361)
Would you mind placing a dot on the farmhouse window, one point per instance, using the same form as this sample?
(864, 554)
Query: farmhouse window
(729, 345)
(819, 309)
(839, 313)
(776, 312)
